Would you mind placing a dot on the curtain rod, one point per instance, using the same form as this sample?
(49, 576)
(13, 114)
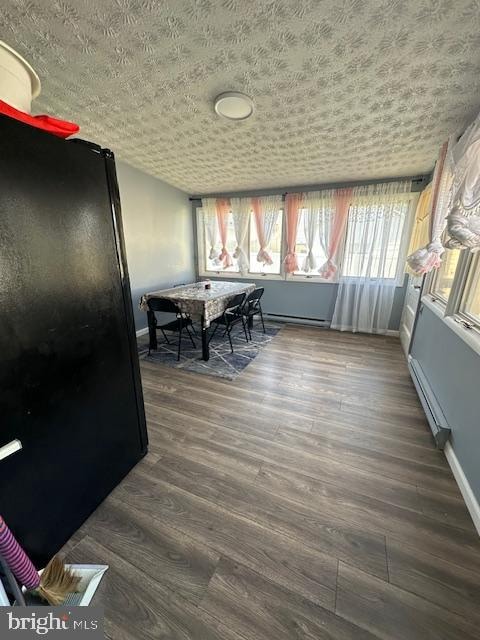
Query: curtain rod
(417, 180)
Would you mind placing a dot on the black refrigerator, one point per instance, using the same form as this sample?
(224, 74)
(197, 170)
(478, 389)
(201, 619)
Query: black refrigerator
(70, 389)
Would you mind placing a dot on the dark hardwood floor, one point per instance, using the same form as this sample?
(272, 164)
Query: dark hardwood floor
(305, 499)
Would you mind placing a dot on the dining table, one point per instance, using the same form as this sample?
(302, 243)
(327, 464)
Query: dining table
(203, 301)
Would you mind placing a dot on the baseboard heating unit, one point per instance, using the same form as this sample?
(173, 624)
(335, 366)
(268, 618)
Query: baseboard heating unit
(314, 322)
(436, 419)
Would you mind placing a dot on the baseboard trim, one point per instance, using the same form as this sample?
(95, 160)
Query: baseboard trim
(389, 332)
(464, 486)
(142, 332)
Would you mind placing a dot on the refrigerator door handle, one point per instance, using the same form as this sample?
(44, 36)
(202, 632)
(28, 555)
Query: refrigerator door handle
(8, 449)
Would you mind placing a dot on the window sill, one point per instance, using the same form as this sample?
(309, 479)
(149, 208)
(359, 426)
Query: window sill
(229, 275)
(435, 304)
(219, 274)
(471, 337)
(265, 276)
(305, 278)
(232, 275)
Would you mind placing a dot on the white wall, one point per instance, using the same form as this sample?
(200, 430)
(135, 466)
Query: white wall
(157, 222)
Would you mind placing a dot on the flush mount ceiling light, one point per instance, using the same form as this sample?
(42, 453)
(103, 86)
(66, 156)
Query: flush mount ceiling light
(234, 105)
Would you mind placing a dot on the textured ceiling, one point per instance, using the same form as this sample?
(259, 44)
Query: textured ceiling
(343, 89)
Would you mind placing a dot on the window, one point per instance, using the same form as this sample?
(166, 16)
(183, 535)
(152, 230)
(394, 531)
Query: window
(249, 233)
(374, 240)
(456, 286)
(212, 246)
(272, 232)
(470, 303)
(455, 290)
(314, 229)
(313, 232)
(318, 250)
(442, 280)
(252, 229)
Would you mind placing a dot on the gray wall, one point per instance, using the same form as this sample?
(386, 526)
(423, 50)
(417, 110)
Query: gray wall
(313, 300)
(157, 221)
(453, 371)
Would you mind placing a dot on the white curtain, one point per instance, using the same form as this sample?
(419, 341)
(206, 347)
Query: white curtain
(266, 210)
(317, 216)
(325, 221)
(210, 225)
(241, 208)
(463, 208)
(310, 226)
(375, 248)
(429, 257)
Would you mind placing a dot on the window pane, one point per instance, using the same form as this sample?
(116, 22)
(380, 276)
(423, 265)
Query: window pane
(214, 263)
(274, 247)
(374, 240)
(472, 299)
(317, 249)
(442, 284)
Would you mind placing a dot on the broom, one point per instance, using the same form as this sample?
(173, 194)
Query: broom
(56, 581)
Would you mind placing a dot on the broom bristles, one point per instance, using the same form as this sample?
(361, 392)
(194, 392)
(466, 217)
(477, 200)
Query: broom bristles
(57, 582)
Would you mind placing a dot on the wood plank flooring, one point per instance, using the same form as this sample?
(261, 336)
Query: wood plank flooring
(304, 500)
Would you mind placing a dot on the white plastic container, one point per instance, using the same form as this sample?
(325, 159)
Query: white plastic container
(19, 84)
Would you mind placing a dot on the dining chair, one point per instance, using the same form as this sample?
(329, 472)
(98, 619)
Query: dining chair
(163, 305)
(187, 315)
(253, 307)
(232, 315)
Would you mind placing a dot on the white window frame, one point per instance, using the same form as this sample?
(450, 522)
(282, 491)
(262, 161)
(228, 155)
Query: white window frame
(202, 258)
(466, 326)
(450, 304)
(435, 297)
(471, 264)
(310, 277)
(201, 254)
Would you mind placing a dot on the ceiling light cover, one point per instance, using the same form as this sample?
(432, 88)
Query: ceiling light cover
(234, 105)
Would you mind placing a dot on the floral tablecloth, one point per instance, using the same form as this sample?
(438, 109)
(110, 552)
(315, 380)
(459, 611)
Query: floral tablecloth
(197, 301)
